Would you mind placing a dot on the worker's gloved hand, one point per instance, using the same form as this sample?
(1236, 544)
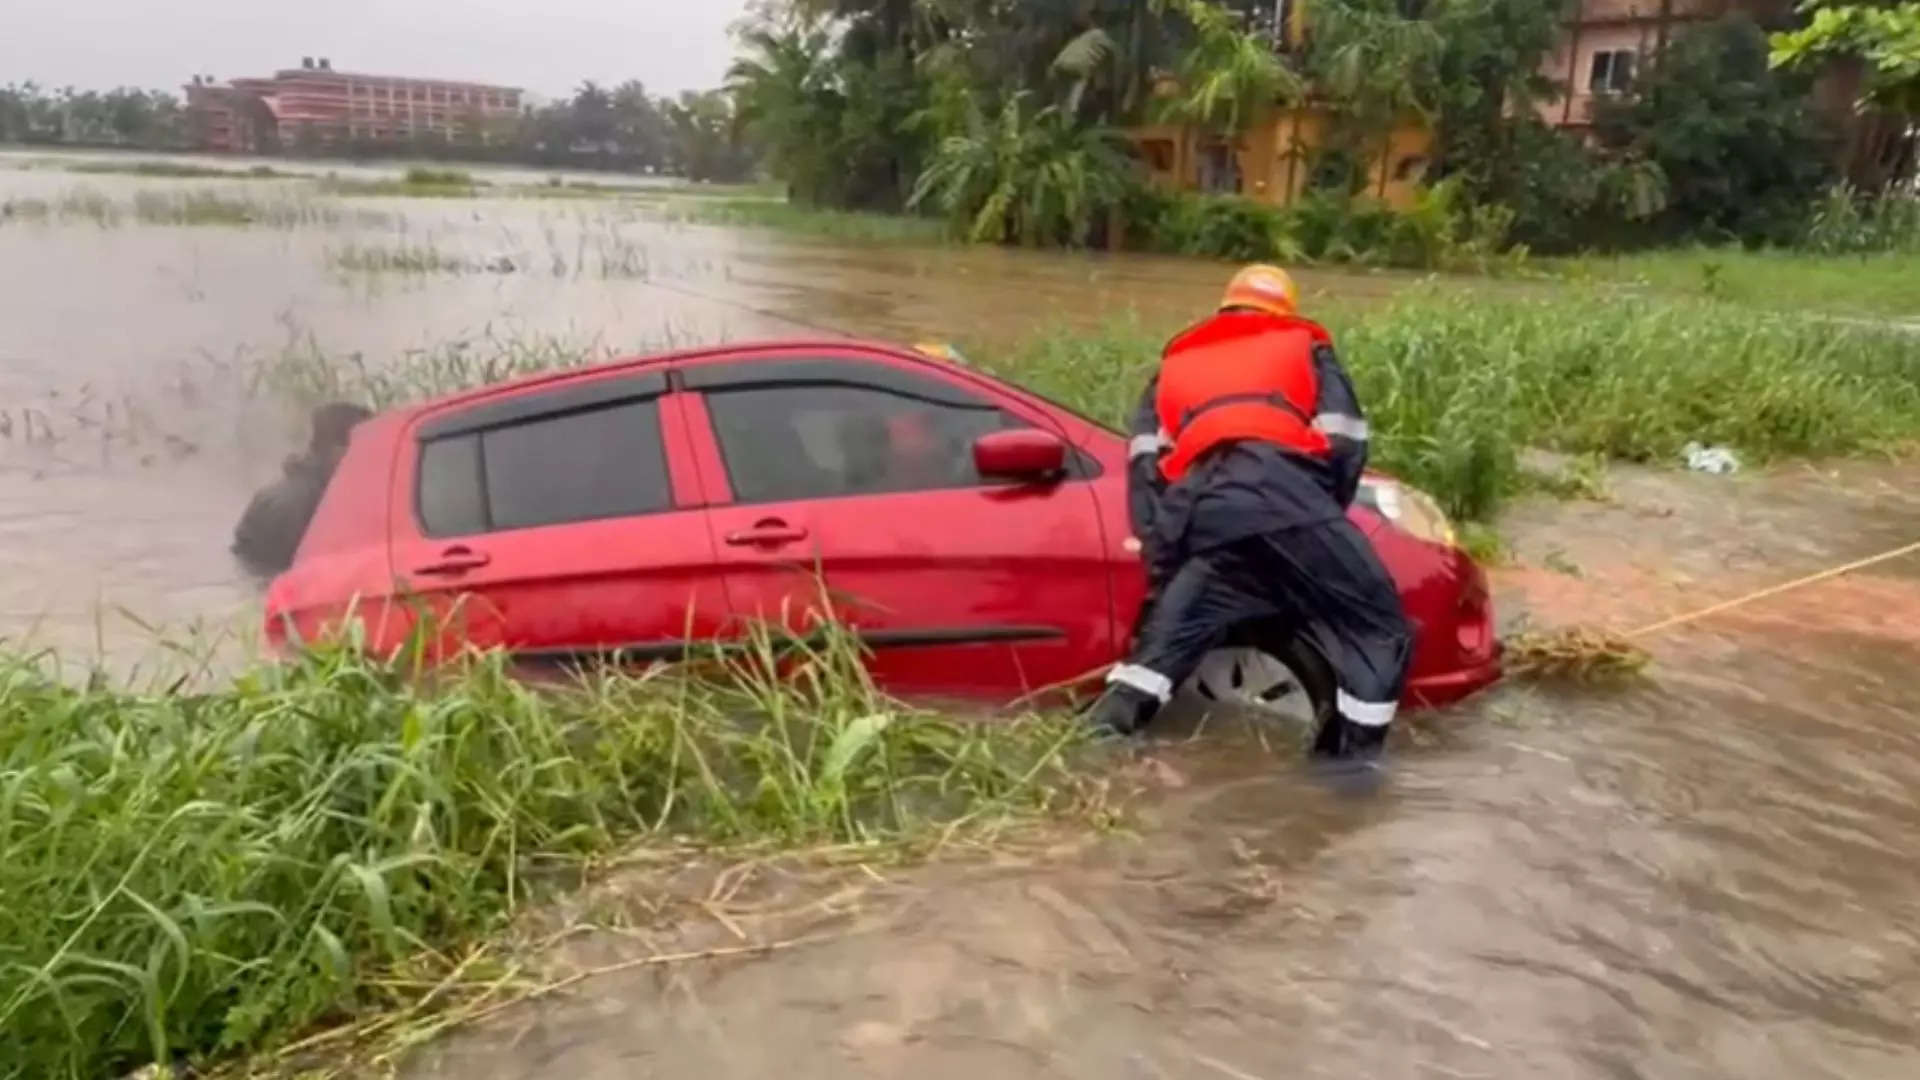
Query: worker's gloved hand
(1122, 710)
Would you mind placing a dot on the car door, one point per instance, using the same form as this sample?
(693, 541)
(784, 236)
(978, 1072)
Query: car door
(845, 485)
(559, 521)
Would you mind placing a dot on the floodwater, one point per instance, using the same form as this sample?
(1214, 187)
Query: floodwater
(1709, 874)
(132, 428)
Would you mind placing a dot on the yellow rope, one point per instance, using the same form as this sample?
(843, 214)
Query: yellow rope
(1775, 590)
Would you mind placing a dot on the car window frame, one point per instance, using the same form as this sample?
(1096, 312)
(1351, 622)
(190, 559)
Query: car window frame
(474, 419)
(921, 382)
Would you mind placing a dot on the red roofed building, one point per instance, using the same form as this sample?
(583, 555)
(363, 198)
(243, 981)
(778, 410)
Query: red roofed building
(314, 103)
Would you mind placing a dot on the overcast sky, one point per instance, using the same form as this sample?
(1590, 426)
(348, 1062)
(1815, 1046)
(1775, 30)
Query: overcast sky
(546, 46)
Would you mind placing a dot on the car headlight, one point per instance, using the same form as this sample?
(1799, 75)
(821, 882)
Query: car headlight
(1411, 510)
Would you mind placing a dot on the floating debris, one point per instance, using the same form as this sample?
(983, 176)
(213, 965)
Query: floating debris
(1710, 459)
(1574, 654)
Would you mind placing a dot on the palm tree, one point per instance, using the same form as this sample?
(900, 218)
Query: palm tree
(1032, 179)
(786, 100)
(1227, 76)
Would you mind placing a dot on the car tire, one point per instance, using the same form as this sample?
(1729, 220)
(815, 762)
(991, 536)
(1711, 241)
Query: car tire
(1267, 669)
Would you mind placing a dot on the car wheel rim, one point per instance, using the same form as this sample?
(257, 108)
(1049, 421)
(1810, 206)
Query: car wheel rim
(1251, 679)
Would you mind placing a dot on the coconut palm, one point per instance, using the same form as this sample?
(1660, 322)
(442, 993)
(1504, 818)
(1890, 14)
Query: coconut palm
(1029, 177)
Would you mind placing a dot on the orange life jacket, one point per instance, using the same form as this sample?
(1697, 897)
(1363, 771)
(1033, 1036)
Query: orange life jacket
(1240, 375)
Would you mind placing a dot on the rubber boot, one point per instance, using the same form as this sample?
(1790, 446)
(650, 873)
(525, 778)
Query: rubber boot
(1122, 710)
(1341, 739)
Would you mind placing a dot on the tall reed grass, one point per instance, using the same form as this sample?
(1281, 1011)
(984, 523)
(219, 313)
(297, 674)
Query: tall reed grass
(1457, 388)
(188, 876)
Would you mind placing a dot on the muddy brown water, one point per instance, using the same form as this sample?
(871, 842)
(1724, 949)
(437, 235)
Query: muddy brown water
(1710, 874)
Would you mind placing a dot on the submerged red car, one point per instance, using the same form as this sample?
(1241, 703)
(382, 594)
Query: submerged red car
(973, 533)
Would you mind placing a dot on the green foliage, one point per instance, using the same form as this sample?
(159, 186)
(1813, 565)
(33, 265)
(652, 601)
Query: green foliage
(189, 875)
(452, 178)
(1867, 284)
(1734, 141)
(1847, 222)
(1227, 77)
(1885, 37)
(838, 132)
(1456, 390)
(1224, 227)
(1441, 231)
(124, 117)
(1029, 178)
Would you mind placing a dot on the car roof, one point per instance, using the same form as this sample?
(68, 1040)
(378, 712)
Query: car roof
(740, 349)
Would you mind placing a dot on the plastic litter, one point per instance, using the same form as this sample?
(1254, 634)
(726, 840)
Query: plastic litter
(1710, 459)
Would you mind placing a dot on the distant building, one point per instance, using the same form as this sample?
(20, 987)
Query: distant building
(1605, 44)
(314, 104)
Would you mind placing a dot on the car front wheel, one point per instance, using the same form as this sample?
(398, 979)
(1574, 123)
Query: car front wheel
(1268, 673)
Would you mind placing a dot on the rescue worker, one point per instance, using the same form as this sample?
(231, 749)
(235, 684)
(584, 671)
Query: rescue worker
(270, 529)
(1247, 448)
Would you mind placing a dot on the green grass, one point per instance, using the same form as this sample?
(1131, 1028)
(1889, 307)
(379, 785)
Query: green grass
(422, 183)
(1455, 391)
(191, 876)
(1883, 285)
(178, 170)
(207, 207)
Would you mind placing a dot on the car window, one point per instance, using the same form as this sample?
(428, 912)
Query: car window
(822, 440)
(578, 466)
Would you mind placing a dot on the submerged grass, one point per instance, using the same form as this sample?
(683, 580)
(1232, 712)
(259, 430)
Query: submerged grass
(179, 170)
(1868, 285)
(207, 207)
(1455, 391)
(846, 225)
(190, 876)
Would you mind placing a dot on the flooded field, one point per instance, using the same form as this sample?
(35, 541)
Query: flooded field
(133, 423)
(1708, 874)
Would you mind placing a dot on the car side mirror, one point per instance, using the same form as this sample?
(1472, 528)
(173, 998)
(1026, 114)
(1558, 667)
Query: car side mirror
(1027, 454)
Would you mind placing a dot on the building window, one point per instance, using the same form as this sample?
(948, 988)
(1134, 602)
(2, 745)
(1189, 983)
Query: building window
(1612, 71)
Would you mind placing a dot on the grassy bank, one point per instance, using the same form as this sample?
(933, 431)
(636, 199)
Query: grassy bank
(1455, 390)
(1875, 285)
(192, 876)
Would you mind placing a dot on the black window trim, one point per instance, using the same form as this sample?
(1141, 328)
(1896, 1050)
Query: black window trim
(546, 404)
(874, 374)
(526, 408)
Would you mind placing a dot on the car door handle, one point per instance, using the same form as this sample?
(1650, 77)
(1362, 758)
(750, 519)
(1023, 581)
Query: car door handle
(456, 560)
(771, 531)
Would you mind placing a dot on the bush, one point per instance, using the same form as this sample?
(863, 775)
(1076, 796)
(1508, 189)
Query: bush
(1844, 222)
(1735, 140)
(423, 177)
(1217, 226)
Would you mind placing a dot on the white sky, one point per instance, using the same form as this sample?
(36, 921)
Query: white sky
(545, 46)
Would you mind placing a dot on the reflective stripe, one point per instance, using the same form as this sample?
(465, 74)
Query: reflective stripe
(1346, 427)
(1146, 680)
(1365, 713)
(1148, 444)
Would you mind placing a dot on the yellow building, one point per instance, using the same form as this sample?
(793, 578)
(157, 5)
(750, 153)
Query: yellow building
(1270, 160)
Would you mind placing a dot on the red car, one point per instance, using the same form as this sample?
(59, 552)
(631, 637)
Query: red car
(974, 533)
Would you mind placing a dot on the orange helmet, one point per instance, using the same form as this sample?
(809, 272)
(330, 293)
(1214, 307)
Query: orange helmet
(1262, 288)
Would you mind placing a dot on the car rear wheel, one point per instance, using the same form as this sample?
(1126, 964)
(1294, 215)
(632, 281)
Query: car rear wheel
(1268, 674)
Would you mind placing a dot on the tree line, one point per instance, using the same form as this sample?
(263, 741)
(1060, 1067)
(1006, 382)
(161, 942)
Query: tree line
(1009, 117)
(693, 134)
